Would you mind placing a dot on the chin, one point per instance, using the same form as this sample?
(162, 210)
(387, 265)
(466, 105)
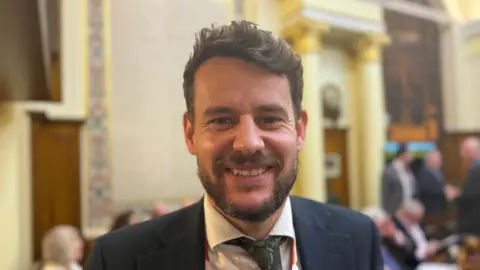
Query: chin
(252, 202)
(251, 197)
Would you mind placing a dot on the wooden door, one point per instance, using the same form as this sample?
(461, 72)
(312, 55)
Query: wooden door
(55, 176)
(336, 153)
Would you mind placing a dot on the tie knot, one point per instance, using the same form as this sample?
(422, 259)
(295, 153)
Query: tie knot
(271, 241)
(265, 252)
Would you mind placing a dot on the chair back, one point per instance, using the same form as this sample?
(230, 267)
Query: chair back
(469, 256)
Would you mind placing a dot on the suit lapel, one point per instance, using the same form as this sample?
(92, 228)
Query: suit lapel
(317, 247)
(182, 243)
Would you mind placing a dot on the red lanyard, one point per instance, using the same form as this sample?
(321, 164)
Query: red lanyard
(294, 253)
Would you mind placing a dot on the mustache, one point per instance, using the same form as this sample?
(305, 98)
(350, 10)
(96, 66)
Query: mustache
(257, 158)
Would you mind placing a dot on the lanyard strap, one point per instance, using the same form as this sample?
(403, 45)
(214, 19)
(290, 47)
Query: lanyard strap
(294, 253)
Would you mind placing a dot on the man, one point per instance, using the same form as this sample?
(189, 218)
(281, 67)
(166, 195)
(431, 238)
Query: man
(244, 123)
(469, 199)
(398, 183)
(393, 253)
(431, 189)
(407, 220)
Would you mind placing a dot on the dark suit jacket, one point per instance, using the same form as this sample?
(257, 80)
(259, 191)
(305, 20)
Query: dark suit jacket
(329, 238)
(401, 255)
(468, 204)
(430, 191)
(405, 253)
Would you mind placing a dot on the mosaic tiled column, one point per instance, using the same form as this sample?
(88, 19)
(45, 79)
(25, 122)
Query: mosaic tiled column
(99, 176)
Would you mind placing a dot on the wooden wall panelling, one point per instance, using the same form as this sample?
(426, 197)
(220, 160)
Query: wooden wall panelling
(55, 160)
(337, 188)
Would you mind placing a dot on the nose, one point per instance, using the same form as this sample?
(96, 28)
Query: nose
(247, 138)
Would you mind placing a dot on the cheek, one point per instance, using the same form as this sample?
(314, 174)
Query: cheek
(208, 150)
(285, 147)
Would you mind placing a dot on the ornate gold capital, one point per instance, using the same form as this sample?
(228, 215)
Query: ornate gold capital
(369, 47)
(306, 35)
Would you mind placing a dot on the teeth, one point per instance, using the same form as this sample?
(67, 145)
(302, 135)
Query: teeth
(254, 172)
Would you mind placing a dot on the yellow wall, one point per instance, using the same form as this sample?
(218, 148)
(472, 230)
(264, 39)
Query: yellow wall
(15, 229)
(463, 9)
(470, 9)
(352, 8)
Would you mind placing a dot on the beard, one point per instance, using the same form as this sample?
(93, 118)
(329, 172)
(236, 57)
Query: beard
(216, 189)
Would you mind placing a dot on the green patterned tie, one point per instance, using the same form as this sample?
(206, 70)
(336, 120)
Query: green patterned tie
(265, 252)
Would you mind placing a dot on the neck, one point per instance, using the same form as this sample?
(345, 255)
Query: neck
(255, 230)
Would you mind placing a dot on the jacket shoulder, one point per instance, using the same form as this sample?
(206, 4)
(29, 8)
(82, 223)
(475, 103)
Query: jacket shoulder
(339, 218)
(126, 244)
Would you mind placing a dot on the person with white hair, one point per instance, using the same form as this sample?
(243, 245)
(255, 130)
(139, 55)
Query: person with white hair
(62, 248)
(395, 253)
(407, 220)
(468, 202)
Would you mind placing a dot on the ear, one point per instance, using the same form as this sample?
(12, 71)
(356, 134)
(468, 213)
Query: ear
(189, 131)
(301, 127)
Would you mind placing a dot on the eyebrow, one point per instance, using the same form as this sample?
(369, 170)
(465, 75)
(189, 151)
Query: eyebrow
(217, 110)
(269, 108)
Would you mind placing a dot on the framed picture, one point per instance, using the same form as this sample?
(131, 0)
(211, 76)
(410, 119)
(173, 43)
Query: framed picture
(333, 165)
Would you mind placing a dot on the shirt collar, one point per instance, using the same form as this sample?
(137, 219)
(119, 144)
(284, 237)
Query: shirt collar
(219, 230)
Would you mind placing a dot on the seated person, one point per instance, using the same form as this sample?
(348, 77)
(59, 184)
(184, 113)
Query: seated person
(407, 220)
(392, 251)
(159, 209)
(469, 257)
(62, 248)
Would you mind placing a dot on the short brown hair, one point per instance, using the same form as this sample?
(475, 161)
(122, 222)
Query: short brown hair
(246, 41)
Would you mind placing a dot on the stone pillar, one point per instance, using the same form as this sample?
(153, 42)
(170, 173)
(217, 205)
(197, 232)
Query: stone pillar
(371, 117)
(311, 179)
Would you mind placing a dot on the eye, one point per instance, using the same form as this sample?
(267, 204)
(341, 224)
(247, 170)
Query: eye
(222, 121)
(269, 120)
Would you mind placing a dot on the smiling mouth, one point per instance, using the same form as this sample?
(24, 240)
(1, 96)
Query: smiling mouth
(249, 172)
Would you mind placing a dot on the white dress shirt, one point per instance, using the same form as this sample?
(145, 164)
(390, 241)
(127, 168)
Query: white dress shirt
(222, 256)
(420, 240)
(407, 179)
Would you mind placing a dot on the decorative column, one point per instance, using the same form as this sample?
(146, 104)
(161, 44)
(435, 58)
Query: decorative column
(311, 178)
(371, 116)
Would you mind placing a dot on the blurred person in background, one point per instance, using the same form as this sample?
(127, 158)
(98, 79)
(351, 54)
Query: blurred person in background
(398, 182)
(62, 249)
(123, 219)
(468, 202)
(392, 251)
(159, 209)
(407, 220)
(431, 189)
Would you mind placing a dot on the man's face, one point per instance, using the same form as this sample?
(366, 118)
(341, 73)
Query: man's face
(245, 137)
(416, 216)
(435, 160)
(407, 157)
(468, 150)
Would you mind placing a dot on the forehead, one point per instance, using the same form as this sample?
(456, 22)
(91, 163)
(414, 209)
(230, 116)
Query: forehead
(241, 86)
